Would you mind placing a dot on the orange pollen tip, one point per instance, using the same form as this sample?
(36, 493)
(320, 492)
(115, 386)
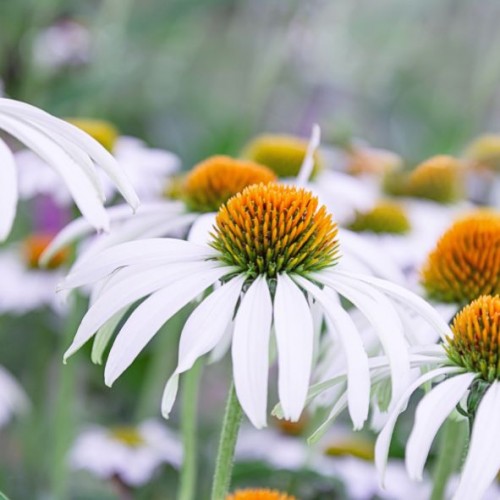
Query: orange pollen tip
(259, 495)
(273, 228)
(475, 344)
(34, 246)
(212, 182)
(466, 261)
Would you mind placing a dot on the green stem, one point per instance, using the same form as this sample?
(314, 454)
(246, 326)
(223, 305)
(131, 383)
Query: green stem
(225, 456)
(451, 448)
(64, 411)
(189, 413)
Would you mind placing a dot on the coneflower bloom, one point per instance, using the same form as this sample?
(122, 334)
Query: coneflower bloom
(252, 494)
(466, 260)
(469, 361)
(68, 150)
(27, 286)
(272, 252)
(209, 184)
(133, 454)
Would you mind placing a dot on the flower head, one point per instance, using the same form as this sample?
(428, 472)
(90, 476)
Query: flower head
(283, 154)
(268, 230)
(369, 160)
(439, 179)
(259, 495)
(466, 261)
(34, 246)
(273, 253)
(213, 181)
(134, 454)
(105, 133)
(475, 343)
(484, 152)
(386, 217)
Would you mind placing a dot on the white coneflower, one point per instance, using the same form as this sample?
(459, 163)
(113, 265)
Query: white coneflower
(68, 150)
(13, 400)
(273, 251)
(26, 286)
(469, 361)
(133, 454)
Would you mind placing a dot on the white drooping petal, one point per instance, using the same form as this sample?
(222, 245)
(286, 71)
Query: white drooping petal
(370, 256)
(483, 457)
(409, 299)
(307, 166)
(201, 333)
(201, 229)
(385, 436)
(293, 324)
(119, 293)
(250, 351)
(136, 228)
(431, 412)
(8, 190)
(382, 315)
(153, 251)
(207, 323)
(31, 114)
(358, 374)
(82, 188)
(149, 317)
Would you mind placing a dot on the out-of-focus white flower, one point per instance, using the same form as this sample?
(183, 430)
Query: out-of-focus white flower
(134, 454)
(358, 475)
(25, 286)
(13, 400)
(68, 150)
(268, 241)
(65, 43)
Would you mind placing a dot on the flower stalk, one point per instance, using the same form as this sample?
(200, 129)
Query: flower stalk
(225, 455)
(189, 414)
(450, 455)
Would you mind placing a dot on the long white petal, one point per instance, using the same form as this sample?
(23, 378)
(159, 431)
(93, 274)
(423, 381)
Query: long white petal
(384, 438)
(201, 333)
(308, 162)
(82, 189)
(483, 458)
(293, 324)
(124, 292)
(358, 378)
(409, 299)
(250, 351)
(385, 320)
(370, 255)
(79, 228)
(8, 190)
(431, 412)
(154, 250)
(134, 229)
(206, 325)
(79, 138)
(148, 318)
